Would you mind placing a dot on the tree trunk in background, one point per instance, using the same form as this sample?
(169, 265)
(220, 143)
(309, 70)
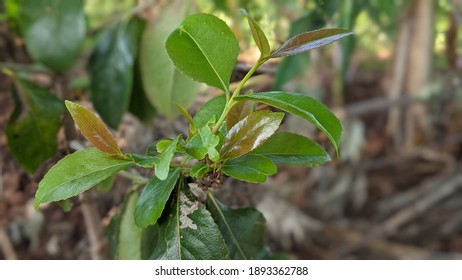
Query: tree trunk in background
(411, 72)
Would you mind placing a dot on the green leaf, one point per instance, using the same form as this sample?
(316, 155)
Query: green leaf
(162, 145)
(310, 40)
(33, 125)
(238, 112)
(77, 173)
(154, 197)
(165, 85)
(187, 231)
(129, 245)
(212, 109)
(258, 35)
(93, 128)
(125, 238)
(203, 143)
(250, 168)
(205, 49)
(111, 69)
(54, 31)
(249, 133)
(139, 103)
(243, 229)
(303, 106)
(199, 169)
(161, 161)
(289, 148)
(297, 65)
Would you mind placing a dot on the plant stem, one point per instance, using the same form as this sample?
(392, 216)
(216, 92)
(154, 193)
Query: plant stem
(230, 103)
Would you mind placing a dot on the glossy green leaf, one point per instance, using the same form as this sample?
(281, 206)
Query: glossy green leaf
(93, 128)
(154, 197)
(162, 145)
(33, 125)
(289, 148)
(243, 229)
(77, 173)
(165, 85)
(250, 168)
(212, 109)
(304, 107)
(258, 36)
(160, 161)
(54, 31)
(203, 143)
(249, 133)
(238, 112)
(310, 40)
(111, 69)
(187, 231)
(125, 238)
(205, 49)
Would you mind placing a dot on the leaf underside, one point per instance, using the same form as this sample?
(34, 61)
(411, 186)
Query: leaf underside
(310, 40)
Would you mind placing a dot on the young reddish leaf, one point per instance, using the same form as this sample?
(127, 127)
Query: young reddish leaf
(249, 133)
(310, 40)
(303, 106)
(237, 113)
(258, 35)
(93, 128)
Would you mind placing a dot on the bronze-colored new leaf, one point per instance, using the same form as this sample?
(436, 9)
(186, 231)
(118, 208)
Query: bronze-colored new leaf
(93, 128)
(250, 133)
(238, 112)
(310, 40)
